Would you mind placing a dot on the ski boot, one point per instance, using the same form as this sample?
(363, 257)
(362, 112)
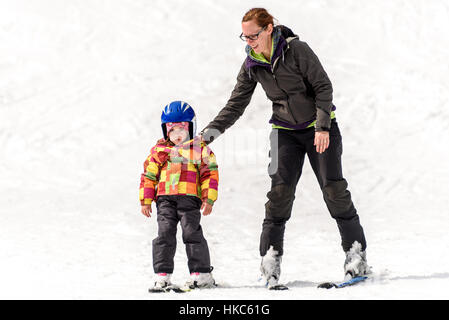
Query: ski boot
(201, 280)
(162, 283)
(270, 267)
(356, 264)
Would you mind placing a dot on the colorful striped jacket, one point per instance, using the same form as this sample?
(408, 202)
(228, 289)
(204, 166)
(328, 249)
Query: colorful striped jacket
(188, 169)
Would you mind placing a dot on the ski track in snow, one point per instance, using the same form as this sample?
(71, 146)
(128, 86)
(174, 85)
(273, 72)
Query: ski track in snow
(81, 89)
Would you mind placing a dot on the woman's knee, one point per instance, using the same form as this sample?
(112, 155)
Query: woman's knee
(280, 201)
(338, 199)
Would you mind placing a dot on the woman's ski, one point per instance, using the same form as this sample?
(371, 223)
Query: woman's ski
(339, 285)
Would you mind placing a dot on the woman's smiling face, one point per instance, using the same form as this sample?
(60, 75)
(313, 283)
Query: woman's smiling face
(261, 36)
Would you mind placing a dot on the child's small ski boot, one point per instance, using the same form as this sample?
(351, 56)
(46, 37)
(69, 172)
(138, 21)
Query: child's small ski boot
(200, 280)
(162, 283)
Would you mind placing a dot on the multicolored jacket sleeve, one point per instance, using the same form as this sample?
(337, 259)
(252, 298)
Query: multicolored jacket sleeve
(208, 176)
(149, 179)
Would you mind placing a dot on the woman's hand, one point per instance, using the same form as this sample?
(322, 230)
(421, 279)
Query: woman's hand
(206, 208)
(321, 141)
(146, 210)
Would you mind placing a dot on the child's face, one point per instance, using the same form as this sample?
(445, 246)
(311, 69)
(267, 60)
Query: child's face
(178, 132)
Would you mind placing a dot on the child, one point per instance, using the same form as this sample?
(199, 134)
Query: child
(182, 176)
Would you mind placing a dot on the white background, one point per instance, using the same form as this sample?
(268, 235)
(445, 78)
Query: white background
(82, 85)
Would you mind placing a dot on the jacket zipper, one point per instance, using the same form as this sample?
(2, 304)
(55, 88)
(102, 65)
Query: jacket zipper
(277, 84)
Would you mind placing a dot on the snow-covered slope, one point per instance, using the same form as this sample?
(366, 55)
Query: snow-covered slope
(82, 84)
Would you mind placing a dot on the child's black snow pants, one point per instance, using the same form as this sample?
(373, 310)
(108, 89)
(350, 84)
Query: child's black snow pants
(288, 150)
(171, 210)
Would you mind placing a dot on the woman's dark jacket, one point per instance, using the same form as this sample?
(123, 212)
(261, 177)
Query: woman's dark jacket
(294, 81)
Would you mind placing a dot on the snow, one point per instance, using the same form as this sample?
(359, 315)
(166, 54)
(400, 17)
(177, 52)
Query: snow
(82, 84)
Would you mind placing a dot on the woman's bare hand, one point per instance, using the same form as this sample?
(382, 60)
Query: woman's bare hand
(321, 141)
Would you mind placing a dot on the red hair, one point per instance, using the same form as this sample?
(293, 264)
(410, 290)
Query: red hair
(260, 16)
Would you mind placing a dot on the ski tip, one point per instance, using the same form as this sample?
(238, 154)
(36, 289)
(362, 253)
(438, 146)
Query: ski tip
(327, 285)
(278, 287)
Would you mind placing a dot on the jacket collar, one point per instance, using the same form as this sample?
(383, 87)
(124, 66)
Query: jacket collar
(189, 151)
(281, 36)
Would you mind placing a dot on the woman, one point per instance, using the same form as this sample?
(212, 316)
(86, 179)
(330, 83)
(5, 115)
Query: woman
(303, 123)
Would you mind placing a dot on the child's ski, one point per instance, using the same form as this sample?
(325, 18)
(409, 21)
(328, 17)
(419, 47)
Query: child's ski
(339, 285)
(178, 289)
(171, 288)
(191, 287)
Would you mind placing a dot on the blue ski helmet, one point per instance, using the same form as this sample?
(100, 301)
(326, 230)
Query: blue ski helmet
(179, 111)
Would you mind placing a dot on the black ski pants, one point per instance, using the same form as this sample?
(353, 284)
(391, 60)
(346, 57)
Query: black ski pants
(289, 148)
(171, 210)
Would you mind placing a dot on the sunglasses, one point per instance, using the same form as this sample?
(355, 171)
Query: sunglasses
(253, 36)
